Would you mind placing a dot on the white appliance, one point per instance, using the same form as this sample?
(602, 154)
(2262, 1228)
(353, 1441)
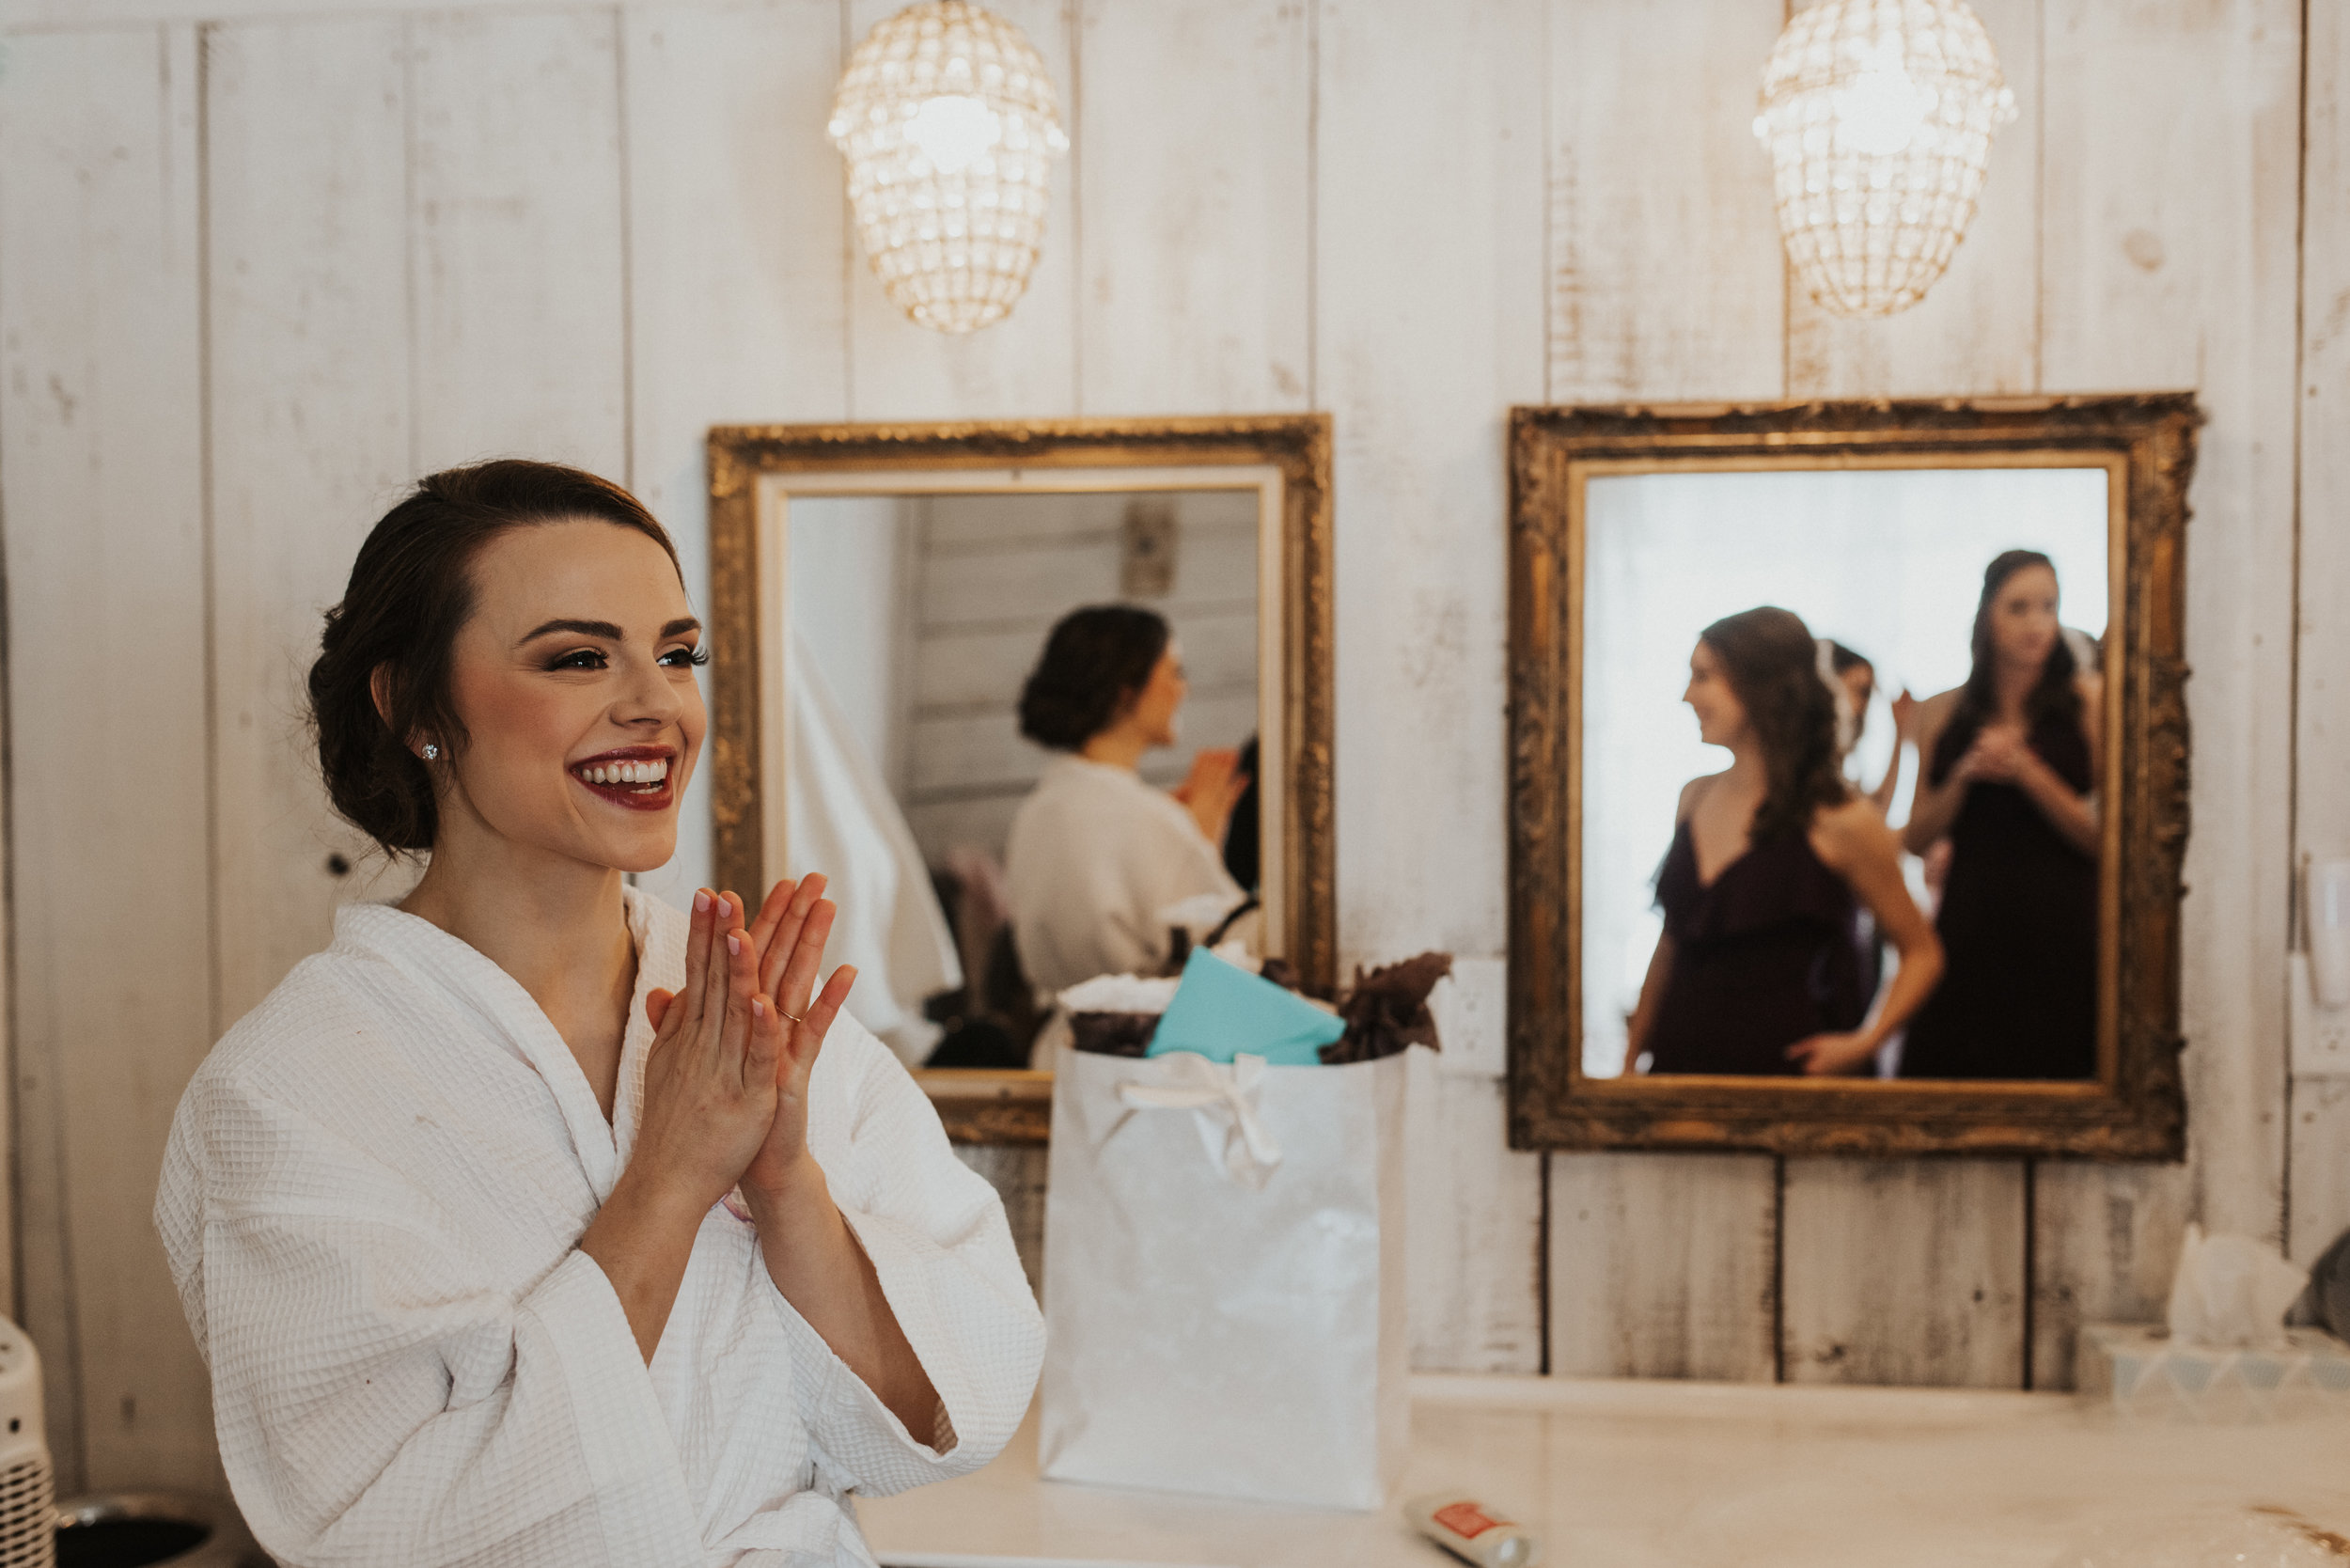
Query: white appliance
(28, 1506)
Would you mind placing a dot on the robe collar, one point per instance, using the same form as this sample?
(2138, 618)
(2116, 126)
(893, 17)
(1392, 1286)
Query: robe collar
(470, 981)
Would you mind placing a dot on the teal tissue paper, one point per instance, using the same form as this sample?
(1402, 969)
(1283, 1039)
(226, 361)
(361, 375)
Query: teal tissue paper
(1221, 1012)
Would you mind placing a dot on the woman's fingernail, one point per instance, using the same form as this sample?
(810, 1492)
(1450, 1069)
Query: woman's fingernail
(701, 903)
(735, 943)
(758, 1007)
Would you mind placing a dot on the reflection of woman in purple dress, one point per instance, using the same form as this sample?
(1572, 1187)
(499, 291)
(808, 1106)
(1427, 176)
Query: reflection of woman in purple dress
(1756, 971)
(2009, 779)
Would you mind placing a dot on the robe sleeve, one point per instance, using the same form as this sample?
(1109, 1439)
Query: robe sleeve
(939, 1244)
(378, 1403)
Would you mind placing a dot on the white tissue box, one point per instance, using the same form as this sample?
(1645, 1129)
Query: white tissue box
(2138, 1371)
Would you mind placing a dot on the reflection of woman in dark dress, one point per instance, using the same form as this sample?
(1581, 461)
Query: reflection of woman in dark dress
(1757, 971)
(2010, 778)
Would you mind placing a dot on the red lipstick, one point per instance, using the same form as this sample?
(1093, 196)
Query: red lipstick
(636, 777)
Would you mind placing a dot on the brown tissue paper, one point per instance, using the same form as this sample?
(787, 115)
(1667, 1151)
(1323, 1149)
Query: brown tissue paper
(1387, 1011)
(1113, 1034)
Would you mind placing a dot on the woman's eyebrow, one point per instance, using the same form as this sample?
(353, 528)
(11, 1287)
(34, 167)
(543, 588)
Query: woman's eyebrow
(606, 630)
(578, 627)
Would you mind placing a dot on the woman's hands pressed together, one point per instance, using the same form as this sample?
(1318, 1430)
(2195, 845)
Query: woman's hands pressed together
(1211, 789)
(786, 942)
(712, 1088)
(710, 1082)
(815, 1260)
(1999, 755)
(726, 1104)
(793, 926)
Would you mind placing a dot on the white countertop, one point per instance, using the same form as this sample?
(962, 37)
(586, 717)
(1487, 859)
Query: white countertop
(1662, 1474)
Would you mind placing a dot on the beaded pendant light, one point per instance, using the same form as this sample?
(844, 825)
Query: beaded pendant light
(1878, 116)
(949, 124)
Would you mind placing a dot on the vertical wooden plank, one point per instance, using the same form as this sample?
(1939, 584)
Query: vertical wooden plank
(1418, 397)
(2169, 225)
(1665, 281)
(1663, 1265)
(101, 457)
(517, 239)
(306, 154)
(1473, 1225)
(1978, 330)
(1193, 257)
(1903, 1272)
(1024, 365)
(2105, 1239)
(2319, 1180)
(1428, 301)
(735, 305)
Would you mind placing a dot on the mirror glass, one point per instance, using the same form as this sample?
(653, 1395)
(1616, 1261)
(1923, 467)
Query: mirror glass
(993, 871)
(1721, 935)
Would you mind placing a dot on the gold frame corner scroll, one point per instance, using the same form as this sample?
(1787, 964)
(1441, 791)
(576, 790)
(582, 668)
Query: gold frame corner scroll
(1015, 1108)
(2135, 1109)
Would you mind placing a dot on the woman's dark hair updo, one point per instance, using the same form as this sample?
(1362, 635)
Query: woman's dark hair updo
(1096, 659)
(410, 592)
(1773, 665)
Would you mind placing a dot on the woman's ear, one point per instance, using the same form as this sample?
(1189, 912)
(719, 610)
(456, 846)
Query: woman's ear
(379, 688)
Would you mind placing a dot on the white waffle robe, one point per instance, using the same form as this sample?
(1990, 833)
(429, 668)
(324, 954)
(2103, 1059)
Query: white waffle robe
(1095, 855)
(372, 1199)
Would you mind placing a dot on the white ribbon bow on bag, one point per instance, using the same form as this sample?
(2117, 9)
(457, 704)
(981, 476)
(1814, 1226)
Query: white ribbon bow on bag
(1223, 1103)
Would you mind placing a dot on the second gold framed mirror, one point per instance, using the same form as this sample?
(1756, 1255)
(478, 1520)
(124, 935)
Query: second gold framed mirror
(897, 612)
(1849, 777)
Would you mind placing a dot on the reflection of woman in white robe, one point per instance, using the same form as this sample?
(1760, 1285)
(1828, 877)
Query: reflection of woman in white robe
(1095, 853)
(535, 1221)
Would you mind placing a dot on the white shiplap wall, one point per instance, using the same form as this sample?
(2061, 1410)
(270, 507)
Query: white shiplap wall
(262, 264)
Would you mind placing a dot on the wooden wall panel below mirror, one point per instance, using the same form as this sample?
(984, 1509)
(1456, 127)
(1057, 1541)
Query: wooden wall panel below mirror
(888, 709)
(1849, 777)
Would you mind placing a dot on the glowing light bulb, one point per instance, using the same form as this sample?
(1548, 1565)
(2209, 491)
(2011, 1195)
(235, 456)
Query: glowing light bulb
(955, 133)
(1880, 112)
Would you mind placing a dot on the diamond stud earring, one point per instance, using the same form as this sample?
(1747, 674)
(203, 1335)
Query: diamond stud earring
(430, 751)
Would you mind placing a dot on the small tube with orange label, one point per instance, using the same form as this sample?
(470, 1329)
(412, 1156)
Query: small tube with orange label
(1472, 1532)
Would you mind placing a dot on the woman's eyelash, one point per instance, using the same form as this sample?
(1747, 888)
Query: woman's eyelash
(589, 658)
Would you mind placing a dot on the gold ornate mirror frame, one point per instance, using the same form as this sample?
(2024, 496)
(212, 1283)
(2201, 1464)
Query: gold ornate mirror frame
(2135, 1109)
(755, 468)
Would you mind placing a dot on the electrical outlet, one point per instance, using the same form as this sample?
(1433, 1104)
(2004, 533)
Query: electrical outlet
(2321, 1035)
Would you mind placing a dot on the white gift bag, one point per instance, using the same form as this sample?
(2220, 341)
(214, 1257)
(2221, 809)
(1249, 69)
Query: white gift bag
(1224, 1285)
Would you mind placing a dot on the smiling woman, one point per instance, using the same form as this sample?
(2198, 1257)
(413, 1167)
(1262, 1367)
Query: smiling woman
(459, 1177)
